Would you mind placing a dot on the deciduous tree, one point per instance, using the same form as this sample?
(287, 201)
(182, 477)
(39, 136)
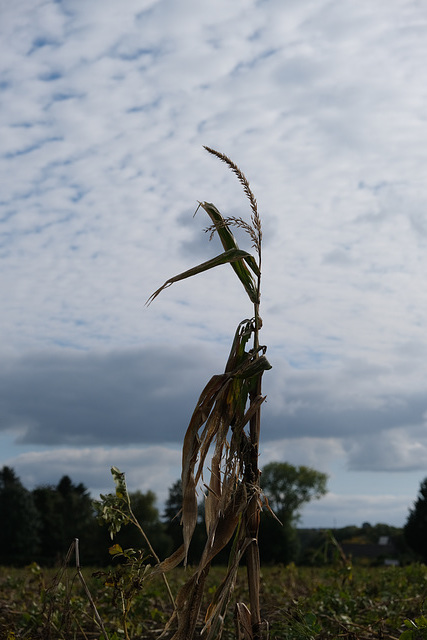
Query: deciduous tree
(288, 488)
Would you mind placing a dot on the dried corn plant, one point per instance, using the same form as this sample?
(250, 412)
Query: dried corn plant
(226, 422)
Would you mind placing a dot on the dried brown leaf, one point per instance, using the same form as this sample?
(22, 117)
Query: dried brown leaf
(188, 602)
(170, 563)
(242, 617)
(223, 529)
(214, 618)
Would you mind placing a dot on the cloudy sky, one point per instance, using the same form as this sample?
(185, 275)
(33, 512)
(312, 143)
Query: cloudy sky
(104, 110)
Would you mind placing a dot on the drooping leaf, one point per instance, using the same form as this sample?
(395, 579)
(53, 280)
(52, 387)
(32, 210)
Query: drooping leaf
(190, 452)
(231, 256)
(188, 603)
(221, 532)
(215, 615)
(222, 404)
(171, 562)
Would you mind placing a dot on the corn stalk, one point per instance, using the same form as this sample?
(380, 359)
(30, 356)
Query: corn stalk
(226, 419)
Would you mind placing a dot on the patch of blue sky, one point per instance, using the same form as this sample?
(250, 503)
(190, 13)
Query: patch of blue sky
(144, 107)
(32, 147)
(131, 55)
(5, 242)
(250, 64)
(10, 449)
(375, 187)
(65, 343)
(74, 343)
(37, 229)
(50, 76)
(23, 125)
(55, 164)
(65, 6)
(63, 95)
(79, 195)
(405, 482)
(142, 16)
(311, 359)
(26, 195)
(256, 35)
(7, 215)
(267, 53)
(40, 42)
(38, 188)
(22, 152)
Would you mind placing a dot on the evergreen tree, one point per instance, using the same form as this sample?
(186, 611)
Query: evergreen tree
(415, 529)
(48, 503)
(66, 513)
(172, 514)
(20, 523)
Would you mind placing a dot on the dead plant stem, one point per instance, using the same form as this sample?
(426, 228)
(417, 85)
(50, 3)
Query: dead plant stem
(252, 480)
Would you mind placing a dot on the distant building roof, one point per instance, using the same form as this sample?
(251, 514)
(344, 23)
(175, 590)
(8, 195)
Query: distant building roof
(369, 550)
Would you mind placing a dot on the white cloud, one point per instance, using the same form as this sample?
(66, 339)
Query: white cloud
(317, 453)
(153, 468)
(403, 449)
(335, 511)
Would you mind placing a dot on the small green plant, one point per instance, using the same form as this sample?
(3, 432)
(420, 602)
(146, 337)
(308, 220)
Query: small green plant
(126, 580)
(301, 626)
(416, 629)
(115, 510)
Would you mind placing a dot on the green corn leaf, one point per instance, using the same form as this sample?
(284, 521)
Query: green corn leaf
(230, 256)
(229, 242)
(225, 234)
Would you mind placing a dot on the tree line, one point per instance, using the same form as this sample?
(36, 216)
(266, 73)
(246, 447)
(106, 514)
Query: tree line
(39, 525)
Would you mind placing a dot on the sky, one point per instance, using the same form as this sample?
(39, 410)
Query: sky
(104, 111)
